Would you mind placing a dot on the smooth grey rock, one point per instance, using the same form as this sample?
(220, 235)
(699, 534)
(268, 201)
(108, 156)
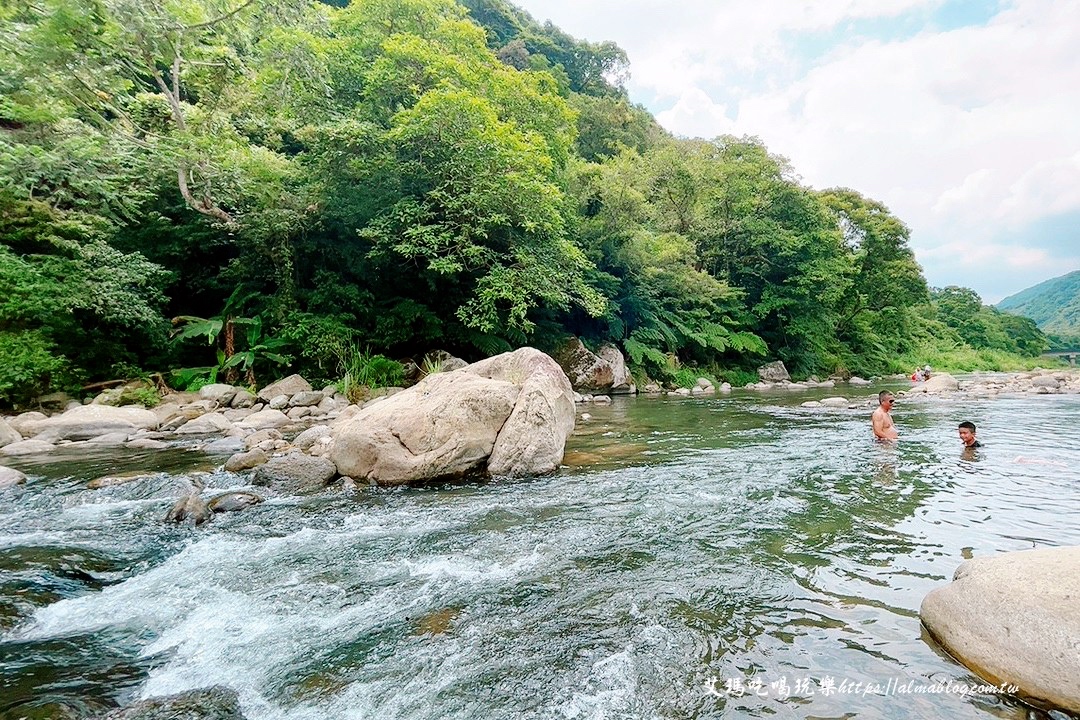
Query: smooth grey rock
(263, 419)
(117, 438)
(259, 436)
(189, 509)
(278, 402)
(296, 413)
(213, 703)
(147, 444)
(621, 381)
(295, 473)
(87, 421)
(835, 402)
(288, 386)
(246, 460)
(8, 434)
(21, 423)
(773, 372)
(304, 399)
(588, 373)
(938, 383)
(1012, 618)
(224, 446)
(858, 381)
(243, 399)
(236, 414)
(218, 393)
(811, 404)
(27, 447)
(208, 424)
(509, 415)
(725, 387)
(1047, 381)
(309, 437)
(10, 477)
(234, 501)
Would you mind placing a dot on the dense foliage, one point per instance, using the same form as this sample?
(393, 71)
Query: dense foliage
(301, 184)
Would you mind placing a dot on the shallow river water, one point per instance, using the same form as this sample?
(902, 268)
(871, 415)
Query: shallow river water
(698, 558)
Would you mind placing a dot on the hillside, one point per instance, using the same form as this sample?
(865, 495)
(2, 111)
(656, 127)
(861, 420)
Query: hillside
(1054, 304)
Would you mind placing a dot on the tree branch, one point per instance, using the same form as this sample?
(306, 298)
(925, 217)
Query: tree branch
(215, 21)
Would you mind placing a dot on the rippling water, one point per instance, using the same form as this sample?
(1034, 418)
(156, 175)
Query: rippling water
(692, 548)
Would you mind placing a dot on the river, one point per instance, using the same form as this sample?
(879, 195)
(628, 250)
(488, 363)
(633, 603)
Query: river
(722, 557)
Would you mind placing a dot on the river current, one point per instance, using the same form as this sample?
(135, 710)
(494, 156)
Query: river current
(721, 557)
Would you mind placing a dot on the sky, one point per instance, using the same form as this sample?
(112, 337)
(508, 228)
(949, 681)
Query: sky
(962, 116)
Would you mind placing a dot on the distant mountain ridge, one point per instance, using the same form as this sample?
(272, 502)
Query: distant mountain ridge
(1054, 305)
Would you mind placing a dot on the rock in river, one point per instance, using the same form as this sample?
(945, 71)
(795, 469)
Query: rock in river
(1013, 618)
(213, 703)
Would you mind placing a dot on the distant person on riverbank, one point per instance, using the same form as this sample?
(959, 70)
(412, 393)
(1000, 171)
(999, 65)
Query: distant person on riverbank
(881, 421)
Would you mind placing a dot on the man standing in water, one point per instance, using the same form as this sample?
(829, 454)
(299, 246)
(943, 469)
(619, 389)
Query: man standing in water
(881, 420)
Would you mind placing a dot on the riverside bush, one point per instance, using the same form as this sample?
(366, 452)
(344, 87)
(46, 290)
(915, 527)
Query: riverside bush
(29, 367)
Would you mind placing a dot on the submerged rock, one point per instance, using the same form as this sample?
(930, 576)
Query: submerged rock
(234, 501)
(1012, 618)
(295, 473)
(189, 509)
(213, 703)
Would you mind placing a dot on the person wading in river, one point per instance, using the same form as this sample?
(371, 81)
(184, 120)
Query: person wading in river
(881, 420)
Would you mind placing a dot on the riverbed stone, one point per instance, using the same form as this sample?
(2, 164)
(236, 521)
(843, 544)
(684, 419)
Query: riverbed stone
(213, 703)
(288, 387)
(258, 437)
(938, 383)
(858, 381)
(295, 473)
(87, 421)
(116, 438)
(263, 419)
(208, 424)
(1047, 381)
(774, 371)
(20, 423)
(587, 372)
(621, 382)
(224, 446)
(218, 393)
(305, 399)
(834, 402)
(189, 509)
(242, 399)
(1011, 618)
(10, 477)
(147, 444)
(309, 437)
(27, 447)
(8, 434)
(234, 501)
(246, 460)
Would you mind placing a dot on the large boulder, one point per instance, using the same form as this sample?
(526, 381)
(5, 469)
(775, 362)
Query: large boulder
(295, 473)
(1012, 618)
(587, 372)
(88, 421)
(621, 382)
(773, 372)
(286, 386)
(10, 477)
(506, 415)
(938, 383)
(8, 434)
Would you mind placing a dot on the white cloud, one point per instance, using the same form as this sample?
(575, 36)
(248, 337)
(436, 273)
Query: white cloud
(969, 135)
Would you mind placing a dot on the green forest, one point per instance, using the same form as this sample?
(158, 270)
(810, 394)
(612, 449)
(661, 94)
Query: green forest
(240, 189)
(1055, 306)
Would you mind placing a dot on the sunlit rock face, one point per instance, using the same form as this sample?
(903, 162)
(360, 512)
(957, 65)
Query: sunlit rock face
(1012, 618)
(506, 415)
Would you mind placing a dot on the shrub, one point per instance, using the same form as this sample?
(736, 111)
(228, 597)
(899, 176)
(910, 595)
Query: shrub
(29, 366)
